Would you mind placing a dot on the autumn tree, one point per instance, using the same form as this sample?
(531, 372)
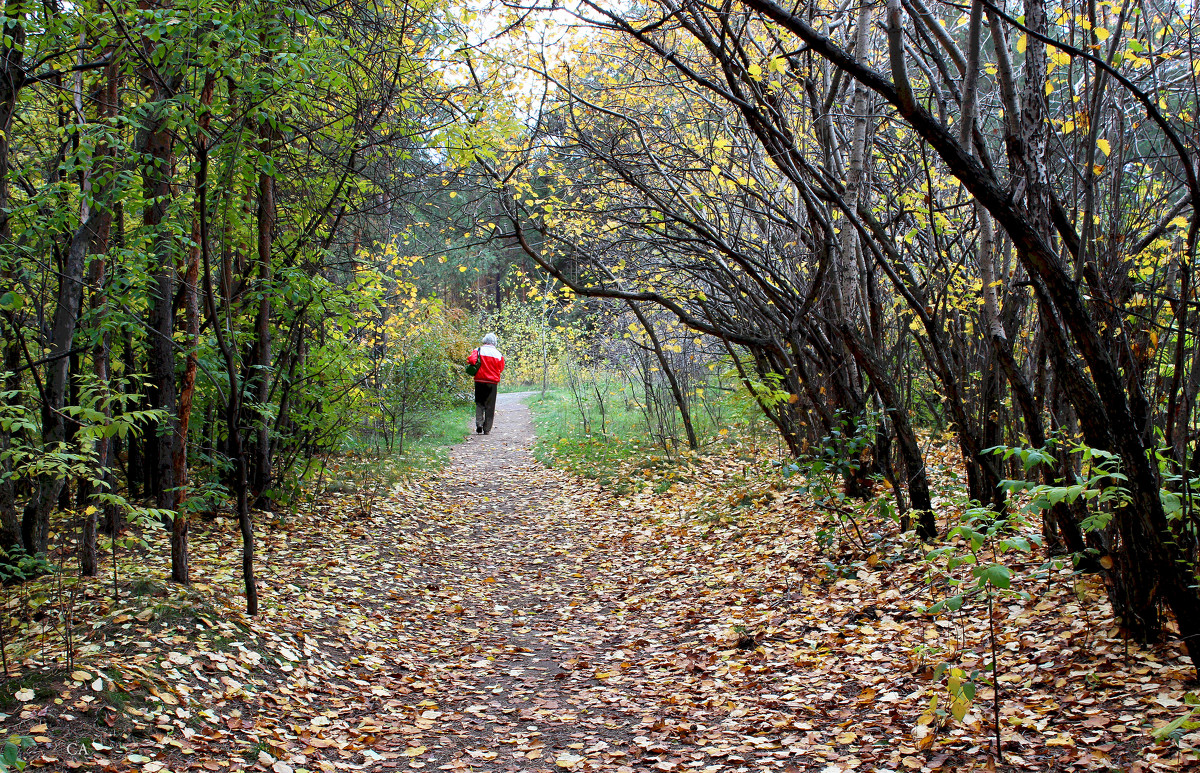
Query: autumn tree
(848, 195)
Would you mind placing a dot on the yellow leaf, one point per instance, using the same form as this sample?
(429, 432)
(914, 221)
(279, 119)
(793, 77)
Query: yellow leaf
(1105, 148)
(1021, 43)
(755, 72)
(415, 751)
(1101, 33)
(1068, 127)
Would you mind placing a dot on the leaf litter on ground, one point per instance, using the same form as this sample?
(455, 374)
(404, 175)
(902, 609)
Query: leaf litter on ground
(505, 616)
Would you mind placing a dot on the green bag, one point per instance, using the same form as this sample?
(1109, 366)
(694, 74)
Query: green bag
(473, 367)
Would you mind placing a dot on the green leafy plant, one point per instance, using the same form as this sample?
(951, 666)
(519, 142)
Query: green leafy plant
(1100, 483)
(10, 755)
(1183, 724)
(839, 457)
(16, 566)
(972, 566)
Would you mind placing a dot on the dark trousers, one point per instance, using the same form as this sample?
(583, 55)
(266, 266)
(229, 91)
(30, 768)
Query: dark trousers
(485, 405)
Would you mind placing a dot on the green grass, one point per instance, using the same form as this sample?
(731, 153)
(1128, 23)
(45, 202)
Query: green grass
(619, 456)
(41, 682)
(620, 451)
(365, 464)
(431, 451)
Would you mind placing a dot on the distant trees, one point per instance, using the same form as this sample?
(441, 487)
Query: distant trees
(189, 198)
(885, 202)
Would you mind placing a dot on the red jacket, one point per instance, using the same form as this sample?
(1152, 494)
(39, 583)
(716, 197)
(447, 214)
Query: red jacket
(493, 364)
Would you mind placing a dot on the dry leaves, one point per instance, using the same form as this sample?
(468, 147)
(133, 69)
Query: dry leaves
(503, 616)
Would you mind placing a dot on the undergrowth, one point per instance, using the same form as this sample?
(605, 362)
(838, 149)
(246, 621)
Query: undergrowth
(619, 456)
(366, 465)
(618, 452)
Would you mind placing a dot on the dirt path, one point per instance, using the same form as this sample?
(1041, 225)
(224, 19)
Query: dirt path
(503, 616)
(509, 633)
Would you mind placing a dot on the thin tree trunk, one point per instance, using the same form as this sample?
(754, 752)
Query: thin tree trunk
(12, 78)
(156, 176)
(668, 371)
(101, 353)
(135, 461)
(180, 564)
(910, 448)
(35, 526)
(261, 361)
(233, 420)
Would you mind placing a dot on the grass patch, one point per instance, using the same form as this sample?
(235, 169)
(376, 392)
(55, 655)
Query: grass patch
(618, 448)
(431, 451)
(146, 586)
(41, 682)
(618, 454)
(366, 465)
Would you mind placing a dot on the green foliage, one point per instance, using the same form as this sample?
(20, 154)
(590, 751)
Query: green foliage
(16, 565)
(415, 382)
(769, 390)
(977, 543)
(10, 755)
(972, 566)
(103, 411)
(563, 439)
(1100, 484)
(1183, 724)
(537, 339)
(839, 456)
(414, 370)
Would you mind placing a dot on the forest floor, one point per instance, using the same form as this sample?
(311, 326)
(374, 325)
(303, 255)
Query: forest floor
(504, 616)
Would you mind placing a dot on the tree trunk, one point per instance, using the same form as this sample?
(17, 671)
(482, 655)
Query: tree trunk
(261, 361)
(180, 564)
(676, 391)
(233, 419)
(101, 352)
(12, 78)
(158, 149)
(906, 438)
(135, 460)
(35, 526)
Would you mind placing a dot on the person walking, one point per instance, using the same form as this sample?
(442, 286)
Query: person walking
(488, 363)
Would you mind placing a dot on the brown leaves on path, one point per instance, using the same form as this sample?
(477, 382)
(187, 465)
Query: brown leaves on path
(507, 617)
